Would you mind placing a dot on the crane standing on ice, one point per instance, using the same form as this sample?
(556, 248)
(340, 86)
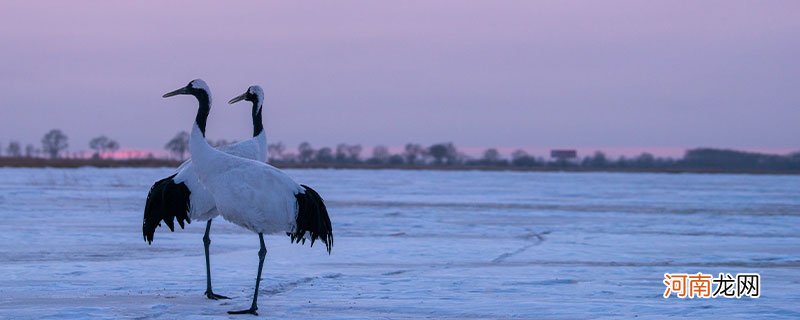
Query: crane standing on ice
(253, 194)
(182, 196)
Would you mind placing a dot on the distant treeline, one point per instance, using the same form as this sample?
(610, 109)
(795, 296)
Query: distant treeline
(54, 153)
(446, 155)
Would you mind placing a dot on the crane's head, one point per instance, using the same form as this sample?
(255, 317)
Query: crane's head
(196, 87)
(253, 94)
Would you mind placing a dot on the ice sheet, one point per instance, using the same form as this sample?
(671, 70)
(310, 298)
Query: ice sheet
(408, 244)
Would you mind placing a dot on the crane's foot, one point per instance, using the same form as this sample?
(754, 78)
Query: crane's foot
(213, 296)
(248, 311)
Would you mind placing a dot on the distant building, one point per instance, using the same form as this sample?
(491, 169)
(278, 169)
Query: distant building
(564, 155)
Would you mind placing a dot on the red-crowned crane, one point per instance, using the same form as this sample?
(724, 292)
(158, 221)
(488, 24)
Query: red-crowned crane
(182, 196)
(253, 194)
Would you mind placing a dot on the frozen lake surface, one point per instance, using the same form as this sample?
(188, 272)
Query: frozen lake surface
(408, 244)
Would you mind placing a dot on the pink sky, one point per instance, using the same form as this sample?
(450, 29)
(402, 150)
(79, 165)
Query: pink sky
(632, 76)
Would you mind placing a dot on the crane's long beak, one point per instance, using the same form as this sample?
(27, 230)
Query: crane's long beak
(176, 92)
(239, 98)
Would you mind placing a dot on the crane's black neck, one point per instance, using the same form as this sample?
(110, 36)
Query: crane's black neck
(203, 108)
(258, 125)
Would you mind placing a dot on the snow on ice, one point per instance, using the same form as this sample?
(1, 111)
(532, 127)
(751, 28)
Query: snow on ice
(409, 244)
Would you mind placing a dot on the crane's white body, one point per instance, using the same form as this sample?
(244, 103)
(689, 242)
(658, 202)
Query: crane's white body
(248, 193)
(202, 204)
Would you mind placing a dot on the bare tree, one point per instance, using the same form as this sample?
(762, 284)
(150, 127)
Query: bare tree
(54, 142)
(444, 153)
(179, 144)
(645, 160)
(275, 150)
(491, 156)
(380, 154)
(347, 153)
(354, 152)
(522, 158)
(14, 150)
(325, 155)
(598, 160)
(101, 145)
(112, 146)
(413, 153)
(453, 156)
(341, 152)
(438, 152)
(305, 152)
(98, 144)
(30, 151)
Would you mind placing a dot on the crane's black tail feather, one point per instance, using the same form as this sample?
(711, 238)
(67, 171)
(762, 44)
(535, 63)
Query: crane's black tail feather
(312, 218)
(165, 201)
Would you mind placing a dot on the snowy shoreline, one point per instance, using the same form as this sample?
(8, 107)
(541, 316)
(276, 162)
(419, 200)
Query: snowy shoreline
(166, 164)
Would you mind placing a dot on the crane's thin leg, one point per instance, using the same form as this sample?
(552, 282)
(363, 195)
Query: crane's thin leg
(261, 254)
(207, 242)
